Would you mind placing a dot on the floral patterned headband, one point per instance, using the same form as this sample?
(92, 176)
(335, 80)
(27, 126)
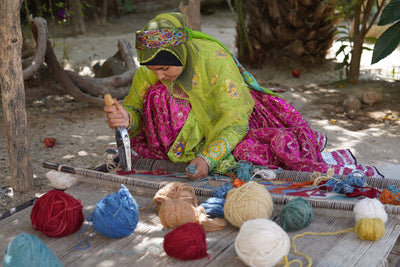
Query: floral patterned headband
(161, 38)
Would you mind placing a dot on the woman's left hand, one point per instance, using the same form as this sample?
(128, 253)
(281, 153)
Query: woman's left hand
(201, 169)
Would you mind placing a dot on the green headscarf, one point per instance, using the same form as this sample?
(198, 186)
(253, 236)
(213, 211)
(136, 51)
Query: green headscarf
(216, 85)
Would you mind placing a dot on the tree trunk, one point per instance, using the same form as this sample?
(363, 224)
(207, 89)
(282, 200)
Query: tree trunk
(103, 17)
(361, 26)
(192, 13)
(13, 96)
(293, 31)
(78, 24)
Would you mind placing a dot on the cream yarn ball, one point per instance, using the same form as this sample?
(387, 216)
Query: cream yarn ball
(370, 208)
(250, 201)
(262, 242)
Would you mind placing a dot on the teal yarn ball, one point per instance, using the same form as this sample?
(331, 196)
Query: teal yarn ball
(116, 215)
(296, 215)
(27, 250)
(192, 169)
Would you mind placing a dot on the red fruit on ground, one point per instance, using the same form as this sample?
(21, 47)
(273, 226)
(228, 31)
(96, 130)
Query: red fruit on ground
(49, 142)
(296, 73)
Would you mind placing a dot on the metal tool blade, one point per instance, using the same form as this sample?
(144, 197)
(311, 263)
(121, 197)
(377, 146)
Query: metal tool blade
(124, 148)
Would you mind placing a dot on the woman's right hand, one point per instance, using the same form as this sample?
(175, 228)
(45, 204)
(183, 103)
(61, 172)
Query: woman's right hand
(116, 115)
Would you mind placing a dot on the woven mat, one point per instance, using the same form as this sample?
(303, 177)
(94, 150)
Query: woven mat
(142, 247)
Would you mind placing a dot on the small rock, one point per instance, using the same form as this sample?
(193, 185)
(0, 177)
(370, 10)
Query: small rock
(351, 103)
(371, 98)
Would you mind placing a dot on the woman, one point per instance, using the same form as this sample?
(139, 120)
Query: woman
(191, 101)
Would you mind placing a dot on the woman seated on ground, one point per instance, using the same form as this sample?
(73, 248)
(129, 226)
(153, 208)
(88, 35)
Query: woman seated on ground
(192, 102)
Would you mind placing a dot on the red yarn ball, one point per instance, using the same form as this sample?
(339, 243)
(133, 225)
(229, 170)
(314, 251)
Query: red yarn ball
(57, 214)
(186, 242)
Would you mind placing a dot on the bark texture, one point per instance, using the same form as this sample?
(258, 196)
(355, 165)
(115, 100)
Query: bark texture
(284, 31)
(13, 96)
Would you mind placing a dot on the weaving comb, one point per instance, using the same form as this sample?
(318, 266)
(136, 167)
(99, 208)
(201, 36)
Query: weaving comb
(122, 140)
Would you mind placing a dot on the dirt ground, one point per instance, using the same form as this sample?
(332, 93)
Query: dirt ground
(82, 135)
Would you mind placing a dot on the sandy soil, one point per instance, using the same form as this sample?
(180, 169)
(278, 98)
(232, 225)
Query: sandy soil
(82, 135)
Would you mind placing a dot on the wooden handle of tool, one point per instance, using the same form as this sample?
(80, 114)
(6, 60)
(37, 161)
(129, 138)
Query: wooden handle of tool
(108, 99)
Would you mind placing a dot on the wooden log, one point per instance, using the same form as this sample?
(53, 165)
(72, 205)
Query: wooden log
(13, 96)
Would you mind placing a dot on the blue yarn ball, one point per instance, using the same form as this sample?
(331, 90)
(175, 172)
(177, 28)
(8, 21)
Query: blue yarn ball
(214, 207)
(27, 250)
(116, 215)
(296, 215)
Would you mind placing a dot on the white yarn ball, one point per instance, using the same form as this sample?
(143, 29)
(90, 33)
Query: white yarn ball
(262, 242)
(370, 208)
(61, 180)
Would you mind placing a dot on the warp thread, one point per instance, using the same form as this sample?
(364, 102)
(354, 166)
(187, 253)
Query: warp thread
(296, 215)
(116, 215)
(27, 250)
(262, 242)
(57, 214)
(250, 201)
(187, 242)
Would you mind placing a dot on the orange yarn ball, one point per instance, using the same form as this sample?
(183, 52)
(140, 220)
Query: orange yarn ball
(175, 190)
(174, 213)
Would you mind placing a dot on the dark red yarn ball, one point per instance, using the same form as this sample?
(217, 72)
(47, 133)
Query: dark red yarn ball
(57, 214)
(186, 242)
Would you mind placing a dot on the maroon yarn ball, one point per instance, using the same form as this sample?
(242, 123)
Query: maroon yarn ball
(186, 242)
(57, 214)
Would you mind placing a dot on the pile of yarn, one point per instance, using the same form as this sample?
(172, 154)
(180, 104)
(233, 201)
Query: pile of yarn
(27, 250)
(370, 216)
(390, 195)
(116, 215)
(177, 205)
(262, 242)
(250, 201)
(57, 214)
(296, 215)
(175, 190)
(186, 242)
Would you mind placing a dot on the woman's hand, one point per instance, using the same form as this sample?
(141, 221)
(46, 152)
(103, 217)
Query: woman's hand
(201, 169)
(117, 116)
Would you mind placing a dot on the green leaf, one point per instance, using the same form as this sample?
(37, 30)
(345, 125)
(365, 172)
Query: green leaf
(390, 13)
(340, 50)
(386, 43)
